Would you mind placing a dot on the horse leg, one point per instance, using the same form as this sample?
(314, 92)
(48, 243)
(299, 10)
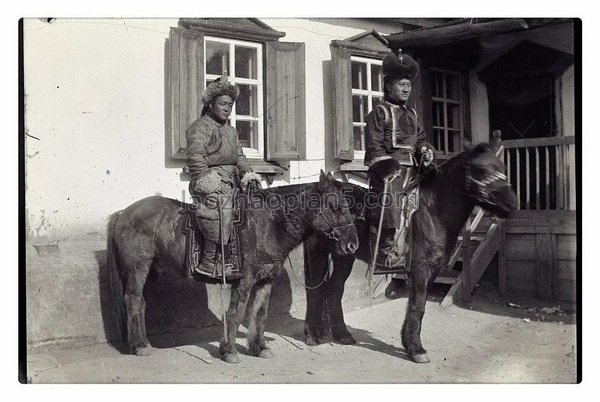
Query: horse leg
(335, 292)
(240, 292)
(135, 307)
(316, 266)
(258, 314)
(411, 329)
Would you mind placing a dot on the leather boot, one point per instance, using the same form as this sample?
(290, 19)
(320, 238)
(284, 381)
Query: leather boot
(210, 259)
(388, 256)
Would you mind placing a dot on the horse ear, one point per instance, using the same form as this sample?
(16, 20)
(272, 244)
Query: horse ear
(324, 181)
(467, 145)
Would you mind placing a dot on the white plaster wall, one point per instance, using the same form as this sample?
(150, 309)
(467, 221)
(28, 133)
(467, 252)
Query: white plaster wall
(95, 102)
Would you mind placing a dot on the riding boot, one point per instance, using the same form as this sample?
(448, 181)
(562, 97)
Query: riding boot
(388, 255)
(210, 259)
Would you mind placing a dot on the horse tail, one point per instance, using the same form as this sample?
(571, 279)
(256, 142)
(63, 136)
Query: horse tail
(115, 275)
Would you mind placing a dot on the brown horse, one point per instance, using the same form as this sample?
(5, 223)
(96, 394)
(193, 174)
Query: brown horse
(447, 196)
(148, 235)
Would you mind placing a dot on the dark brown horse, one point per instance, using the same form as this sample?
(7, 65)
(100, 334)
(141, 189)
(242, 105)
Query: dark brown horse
(148, 235)
(447, 196)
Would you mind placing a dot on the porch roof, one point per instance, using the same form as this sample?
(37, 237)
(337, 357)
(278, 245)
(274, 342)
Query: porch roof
(462, 30)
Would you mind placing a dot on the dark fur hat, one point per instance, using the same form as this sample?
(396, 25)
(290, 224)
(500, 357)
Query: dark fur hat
(220, 87)
(400, 65)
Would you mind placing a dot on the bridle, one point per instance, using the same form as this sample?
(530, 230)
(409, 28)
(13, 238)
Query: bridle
(481, 187)
(482, 192)
(334, 230)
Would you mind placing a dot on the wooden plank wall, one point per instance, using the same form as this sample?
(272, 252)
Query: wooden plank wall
(541, 253)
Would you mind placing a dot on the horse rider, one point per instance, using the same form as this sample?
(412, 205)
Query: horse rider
(395, 145)
(217, 165)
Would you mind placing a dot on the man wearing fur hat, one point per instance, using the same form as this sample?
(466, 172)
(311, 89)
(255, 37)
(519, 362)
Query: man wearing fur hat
(395, 144)
(216, 163)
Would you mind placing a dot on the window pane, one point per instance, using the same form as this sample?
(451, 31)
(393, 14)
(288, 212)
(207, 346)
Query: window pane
(359, 75)
(247, 102)
(217, 57)
(247, 133)
(376, 78)
(359, 133)
(436, 84)
(438, 114)
(453, 141)
(359, 108)
(453, 116)
(245, 62)
(439, 142)
(452, 90)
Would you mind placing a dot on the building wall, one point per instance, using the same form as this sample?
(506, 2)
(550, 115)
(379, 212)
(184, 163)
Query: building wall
(95, 105)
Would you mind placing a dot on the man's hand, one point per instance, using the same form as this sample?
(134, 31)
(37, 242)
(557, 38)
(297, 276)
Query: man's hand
(427, 155)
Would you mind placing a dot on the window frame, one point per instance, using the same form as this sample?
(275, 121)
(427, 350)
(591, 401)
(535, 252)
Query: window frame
(368, 44)
(444, 100)
(253, 153)
(284, 133)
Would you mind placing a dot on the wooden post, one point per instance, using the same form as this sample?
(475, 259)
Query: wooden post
(544, 263)
(496, 138)
(502, 273)
(466, 269)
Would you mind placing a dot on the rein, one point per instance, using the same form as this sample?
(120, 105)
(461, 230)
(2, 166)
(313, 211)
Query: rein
(325, 277)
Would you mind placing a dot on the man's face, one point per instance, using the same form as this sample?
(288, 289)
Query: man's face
(400, 89)
(221, 107)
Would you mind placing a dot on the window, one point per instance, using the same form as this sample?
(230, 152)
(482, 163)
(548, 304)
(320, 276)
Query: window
(242, 61)
(446, 110)
(269, 115)
(357, 86)
(367, 91)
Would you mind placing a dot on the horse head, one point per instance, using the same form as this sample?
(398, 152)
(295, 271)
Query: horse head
(331, 216)
(486, 182)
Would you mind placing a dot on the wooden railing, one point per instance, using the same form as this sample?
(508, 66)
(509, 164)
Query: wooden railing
(542, 171)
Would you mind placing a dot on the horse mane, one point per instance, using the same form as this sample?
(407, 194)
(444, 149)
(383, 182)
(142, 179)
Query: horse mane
(459, 159)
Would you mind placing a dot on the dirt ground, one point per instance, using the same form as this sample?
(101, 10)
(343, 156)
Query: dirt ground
(491, 340)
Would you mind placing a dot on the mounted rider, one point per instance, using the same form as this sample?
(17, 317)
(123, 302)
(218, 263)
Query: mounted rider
(395, 146)
(218, 167)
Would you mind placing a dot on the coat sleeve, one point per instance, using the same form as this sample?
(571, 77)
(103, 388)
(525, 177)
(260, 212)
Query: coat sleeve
(242, 164)
(375, 133)
(197, 139)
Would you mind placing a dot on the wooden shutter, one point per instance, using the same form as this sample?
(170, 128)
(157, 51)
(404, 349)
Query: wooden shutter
(286, 101)
(184, 83)
(342, 103)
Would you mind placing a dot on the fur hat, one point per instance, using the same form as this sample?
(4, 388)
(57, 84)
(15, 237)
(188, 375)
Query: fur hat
(399, 65)
(220, 87)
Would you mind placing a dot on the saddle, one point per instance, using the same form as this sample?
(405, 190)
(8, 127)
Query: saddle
(233, 250)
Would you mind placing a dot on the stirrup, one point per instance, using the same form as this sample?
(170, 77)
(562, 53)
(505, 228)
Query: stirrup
(387, 268)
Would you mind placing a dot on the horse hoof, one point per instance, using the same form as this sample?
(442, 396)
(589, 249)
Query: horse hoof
(312, 341)
(346, 340)
(420, 359)
(143, 351)
(266, 354)
(232, 358)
